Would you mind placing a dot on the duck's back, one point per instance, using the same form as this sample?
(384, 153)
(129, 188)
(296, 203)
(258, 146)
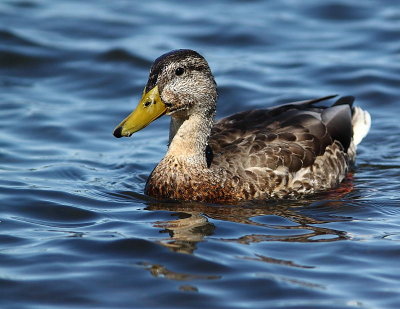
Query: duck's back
(289, 150)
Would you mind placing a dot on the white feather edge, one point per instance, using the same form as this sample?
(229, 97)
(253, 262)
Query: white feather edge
(361, 122)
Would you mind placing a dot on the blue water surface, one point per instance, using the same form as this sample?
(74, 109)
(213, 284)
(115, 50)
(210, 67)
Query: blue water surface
(76, 230)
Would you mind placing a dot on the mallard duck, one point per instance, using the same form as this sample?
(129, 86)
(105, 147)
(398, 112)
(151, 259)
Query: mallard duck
(286, 151)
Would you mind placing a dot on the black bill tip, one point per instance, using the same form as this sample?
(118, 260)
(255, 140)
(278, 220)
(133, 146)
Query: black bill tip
(117, 132)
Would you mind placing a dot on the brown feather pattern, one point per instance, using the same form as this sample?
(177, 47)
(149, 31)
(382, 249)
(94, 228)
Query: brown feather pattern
(282, 152)
(260, 154)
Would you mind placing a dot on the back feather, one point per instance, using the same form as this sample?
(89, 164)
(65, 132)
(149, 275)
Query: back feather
(291, 135)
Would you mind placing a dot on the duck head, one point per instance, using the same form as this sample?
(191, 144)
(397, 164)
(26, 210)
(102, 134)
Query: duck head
(180, 83)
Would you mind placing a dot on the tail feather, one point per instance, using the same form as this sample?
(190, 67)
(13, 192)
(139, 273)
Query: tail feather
(361, 121)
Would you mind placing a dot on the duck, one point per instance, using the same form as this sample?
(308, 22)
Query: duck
(282, 152)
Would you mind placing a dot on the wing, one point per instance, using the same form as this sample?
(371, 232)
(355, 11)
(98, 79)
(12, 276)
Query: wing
(290, 135)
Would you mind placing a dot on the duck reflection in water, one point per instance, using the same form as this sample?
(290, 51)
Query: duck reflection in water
(191, 227)
(278, 221)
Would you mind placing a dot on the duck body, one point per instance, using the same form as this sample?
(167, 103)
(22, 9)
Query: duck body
(286, 151)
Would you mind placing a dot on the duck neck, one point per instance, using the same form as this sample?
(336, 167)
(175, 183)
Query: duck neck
(174, 126)
(189, 137)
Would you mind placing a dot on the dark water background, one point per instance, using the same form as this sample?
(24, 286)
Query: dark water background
(76, 230)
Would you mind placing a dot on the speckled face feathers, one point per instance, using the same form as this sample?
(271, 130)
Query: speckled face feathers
(184, 80)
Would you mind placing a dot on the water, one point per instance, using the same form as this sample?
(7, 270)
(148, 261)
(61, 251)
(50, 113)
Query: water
(76, 230)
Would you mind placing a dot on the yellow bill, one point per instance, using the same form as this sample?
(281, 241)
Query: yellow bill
(149, 109)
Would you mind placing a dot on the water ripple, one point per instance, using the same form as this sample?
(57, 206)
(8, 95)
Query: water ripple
(77, 230)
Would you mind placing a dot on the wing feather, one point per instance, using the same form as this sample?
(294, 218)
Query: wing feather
(292, 135)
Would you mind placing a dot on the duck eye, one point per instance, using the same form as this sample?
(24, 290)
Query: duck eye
(179, 71)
